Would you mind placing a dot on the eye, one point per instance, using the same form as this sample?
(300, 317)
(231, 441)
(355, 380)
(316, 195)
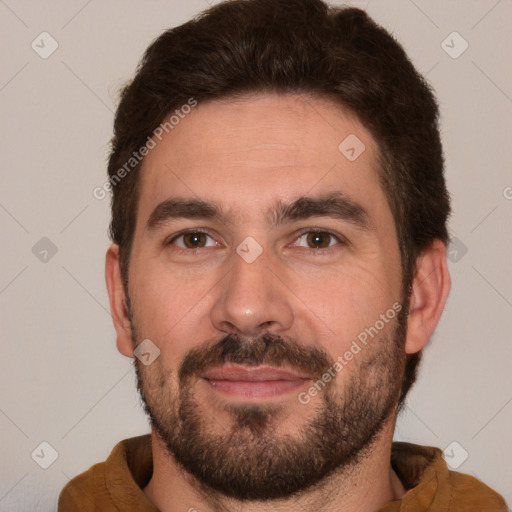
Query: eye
(193, 240)
(318, 239)
(314, 239)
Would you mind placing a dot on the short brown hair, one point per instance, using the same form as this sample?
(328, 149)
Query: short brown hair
(295, 46)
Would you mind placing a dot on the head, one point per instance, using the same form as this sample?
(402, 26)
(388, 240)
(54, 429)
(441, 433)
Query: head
(257, 120)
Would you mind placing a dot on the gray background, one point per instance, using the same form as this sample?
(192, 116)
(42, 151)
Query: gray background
(63, 382)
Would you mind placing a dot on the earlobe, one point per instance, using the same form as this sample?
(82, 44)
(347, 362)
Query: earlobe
(430, 288)
(117, 299)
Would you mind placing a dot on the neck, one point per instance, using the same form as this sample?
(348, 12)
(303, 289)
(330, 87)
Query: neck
(363, 488)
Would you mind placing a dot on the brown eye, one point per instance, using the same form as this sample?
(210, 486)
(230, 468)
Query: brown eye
(193, 240)
(319, 239)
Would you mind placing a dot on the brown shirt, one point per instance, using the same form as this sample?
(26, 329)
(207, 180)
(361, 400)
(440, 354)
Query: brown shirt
(117, 483)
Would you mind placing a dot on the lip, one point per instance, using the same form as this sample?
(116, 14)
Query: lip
(253, 383)
(251, 373)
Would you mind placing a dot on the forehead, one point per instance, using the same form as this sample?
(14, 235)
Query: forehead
(245, 154)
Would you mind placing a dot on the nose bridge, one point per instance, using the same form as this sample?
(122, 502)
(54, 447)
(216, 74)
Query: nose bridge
(251, 298)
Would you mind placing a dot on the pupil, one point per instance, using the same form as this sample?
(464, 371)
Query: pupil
(318, 239)
(193, 240)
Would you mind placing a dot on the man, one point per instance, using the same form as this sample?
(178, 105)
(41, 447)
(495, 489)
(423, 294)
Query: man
(279, 262)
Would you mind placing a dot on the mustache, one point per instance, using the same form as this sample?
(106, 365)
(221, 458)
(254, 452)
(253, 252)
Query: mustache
(267, 349)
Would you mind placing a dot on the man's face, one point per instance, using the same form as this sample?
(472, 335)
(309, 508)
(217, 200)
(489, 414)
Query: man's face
(281, 353)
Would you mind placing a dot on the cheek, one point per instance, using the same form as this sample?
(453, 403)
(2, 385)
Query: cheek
(168, 311)
(160, 385)
(349, 301)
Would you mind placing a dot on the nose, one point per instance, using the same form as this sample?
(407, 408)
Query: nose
(252, 299)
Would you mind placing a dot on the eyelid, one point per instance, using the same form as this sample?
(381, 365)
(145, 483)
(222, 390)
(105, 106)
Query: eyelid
(338, 236)
(170, 240)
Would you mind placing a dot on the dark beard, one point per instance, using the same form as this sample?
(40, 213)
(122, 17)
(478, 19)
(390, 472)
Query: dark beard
(248, 461)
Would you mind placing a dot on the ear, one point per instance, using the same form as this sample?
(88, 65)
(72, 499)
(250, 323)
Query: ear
(117, 298)
(430, 288)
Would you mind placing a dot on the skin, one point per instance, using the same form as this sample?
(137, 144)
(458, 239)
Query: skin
(244, 155)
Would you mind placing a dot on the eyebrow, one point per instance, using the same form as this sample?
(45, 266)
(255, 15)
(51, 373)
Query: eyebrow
(335, 205)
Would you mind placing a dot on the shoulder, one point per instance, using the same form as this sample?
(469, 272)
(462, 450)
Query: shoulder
(425, 473)
(469, 493)
(96, 488)
(86, 491)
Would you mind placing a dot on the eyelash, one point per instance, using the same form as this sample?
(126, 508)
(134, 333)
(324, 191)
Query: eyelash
(339, 238)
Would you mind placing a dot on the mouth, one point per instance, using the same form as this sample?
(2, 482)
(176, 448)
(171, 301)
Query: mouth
(253, 383)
